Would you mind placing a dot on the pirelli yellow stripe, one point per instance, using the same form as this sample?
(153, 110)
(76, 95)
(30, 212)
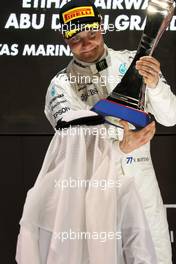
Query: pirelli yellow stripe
(81, 27)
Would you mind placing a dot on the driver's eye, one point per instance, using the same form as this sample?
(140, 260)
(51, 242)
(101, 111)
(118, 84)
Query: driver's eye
(75, 39)
(92, 34)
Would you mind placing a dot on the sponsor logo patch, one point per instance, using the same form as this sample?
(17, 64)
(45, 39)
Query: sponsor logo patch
(90, 92)
(130, 160)
(53, 91)
(122, 68)
(61, 111)
(56, 97)
(85, 11)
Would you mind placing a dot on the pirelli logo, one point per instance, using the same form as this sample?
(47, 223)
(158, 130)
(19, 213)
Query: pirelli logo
(84, 11)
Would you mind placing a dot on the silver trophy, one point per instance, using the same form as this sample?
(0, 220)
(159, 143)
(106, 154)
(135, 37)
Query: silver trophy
(127, 100)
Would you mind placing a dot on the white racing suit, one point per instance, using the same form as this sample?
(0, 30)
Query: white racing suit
(47, 212)
(64, 95)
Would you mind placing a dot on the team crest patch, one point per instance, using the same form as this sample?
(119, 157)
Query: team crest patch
(53, 91)
(122, 68)
(84, 11)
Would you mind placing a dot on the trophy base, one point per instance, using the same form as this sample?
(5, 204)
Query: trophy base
(134, 116)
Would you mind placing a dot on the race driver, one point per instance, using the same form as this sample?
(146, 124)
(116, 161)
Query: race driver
(103, 69)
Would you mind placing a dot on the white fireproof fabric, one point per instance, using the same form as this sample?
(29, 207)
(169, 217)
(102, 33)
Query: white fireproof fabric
(65, 96)
(51, 210)
(62, 98)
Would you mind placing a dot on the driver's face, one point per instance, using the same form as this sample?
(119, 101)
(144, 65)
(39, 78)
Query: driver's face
(87, 46)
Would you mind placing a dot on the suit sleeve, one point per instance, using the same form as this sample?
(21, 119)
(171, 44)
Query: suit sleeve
(56, 102)
(60, 100)
(161, 102)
